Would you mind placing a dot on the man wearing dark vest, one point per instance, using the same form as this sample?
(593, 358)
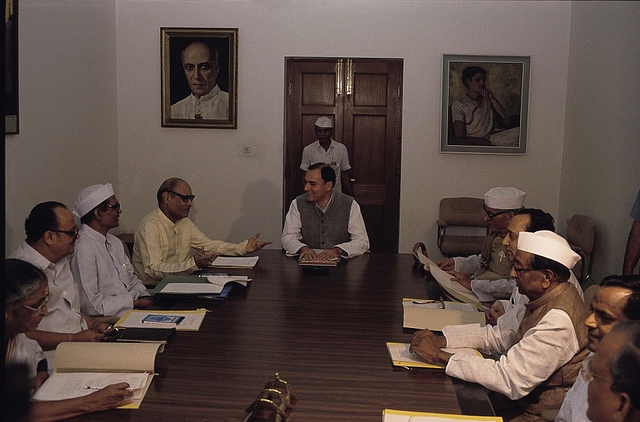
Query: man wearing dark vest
(541, 360)
(322, 223)
(487, 275)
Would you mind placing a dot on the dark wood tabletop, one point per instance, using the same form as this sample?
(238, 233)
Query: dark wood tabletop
(324, 334)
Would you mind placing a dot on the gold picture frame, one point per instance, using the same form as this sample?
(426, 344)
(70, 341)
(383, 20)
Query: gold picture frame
(195, 95)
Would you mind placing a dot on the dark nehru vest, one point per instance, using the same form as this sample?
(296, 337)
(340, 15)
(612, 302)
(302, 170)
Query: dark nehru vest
(325, 230)
(550, 394)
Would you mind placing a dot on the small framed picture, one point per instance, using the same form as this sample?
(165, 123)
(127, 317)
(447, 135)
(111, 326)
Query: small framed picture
(199, 77)
(484, 104)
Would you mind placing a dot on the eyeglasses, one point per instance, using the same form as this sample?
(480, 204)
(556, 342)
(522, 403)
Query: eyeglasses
(493, 214)
(185, 198)
(42, 305)
(73, 233)
(587, 375)
(525, 269)
(115, 206)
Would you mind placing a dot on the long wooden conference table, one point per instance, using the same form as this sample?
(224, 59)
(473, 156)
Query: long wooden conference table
(324, 334)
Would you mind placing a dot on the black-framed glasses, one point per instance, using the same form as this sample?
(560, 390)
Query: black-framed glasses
(73, 233)
(493, 214)
(587, 375)
(185, 198)
(42, 305)
(115, 206)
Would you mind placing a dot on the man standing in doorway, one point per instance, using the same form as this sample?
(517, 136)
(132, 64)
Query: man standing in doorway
(326, 150)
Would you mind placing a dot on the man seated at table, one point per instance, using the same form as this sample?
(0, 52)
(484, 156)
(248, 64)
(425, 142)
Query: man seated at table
(613, 375)
(617, 300)
(26, 298)
(538, 363)
(500, 205)
(164, 239)
(51, 236)
(527, 220)
(323, 219)
(107, 284)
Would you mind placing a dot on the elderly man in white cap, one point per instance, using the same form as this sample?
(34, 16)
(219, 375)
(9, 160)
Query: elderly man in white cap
(106, 281)
(539, 362)
(326, 150)
(500, 205)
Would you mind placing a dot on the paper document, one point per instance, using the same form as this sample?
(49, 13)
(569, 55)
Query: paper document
(84, 368)
(220, 280)
(61, 386)
(391, 415)
(453, 289)
(133, 319)
(234, 262)
(401, 356)
(423, 313)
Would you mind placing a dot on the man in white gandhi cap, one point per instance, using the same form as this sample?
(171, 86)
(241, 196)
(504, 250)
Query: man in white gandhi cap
(326, 150)
(106, 280)
(487, 274)
(539, 362)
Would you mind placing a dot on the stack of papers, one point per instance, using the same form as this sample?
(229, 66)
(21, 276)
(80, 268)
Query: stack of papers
(390, 415)
(451, 288)
(191, 319)
(401, 356)
(234, 262)
(434, 315)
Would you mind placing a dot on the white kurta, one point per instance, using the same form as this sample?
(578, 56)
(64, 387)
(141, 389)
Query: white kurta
(574, 407)
(105, 277)
(524, 365)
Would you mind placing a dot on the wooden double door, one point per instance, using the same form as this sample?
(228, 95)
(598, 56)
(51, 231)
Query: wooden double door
(363, 97)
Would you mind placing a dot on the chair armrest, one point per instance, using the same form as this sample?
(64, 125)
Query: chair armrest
(441, 223)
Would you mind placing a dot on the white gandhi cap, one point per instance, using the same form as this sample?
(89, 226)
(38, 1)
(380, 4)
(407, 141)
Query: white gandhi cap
(324, 122)
(549, 245)
(504, 198)
(90, 197)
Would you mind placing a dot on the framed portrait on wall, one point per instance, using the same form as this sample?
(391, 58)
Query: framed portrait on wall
(11, 67)
(484, 104)
(199, 77)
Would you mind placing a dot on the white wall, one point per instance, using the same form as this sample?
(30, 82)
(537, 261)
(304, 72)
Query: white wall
(240, 195)
(99, 99)
(601, 166)
(68, 121)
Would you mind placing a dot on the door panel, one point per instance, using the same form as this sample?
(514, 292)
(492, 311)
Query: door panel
(362, 97)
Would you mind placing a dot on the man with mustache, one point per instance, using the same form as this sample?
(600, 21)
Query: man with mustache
(105, 277)
(617, 300)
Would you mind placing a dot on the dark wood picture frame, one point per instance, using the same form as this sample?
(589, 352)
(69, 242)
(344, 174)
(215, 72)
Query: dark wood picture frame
(507, 77)
(175, 87)
(11, 68)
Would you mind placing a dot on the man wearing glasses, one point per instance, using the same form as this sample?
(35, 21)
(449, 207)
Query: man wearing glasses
(165, 237)
(500, 205)
(105, 277)
(51, 236)
(617, 300)
(540, 361)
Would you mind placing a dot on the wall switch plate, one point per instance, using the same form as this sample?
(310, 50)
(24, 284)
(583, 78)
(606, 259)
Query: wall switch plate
(247, 149)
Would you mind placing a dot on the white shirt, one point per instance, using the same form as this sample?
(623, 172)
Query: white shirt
(25, 351)
(212, 106)
(524, 365)
(336, 156)
(104, 274)
(292, 235)
(575, 405)
(64, 304)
